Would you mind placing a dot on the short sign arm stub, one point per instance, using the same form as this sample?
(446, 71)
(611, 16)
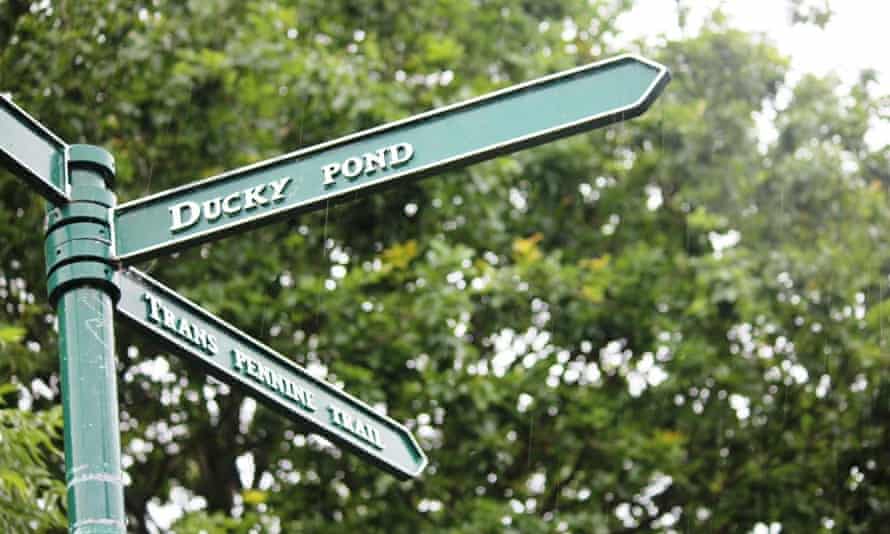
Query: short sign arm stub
(33, 153)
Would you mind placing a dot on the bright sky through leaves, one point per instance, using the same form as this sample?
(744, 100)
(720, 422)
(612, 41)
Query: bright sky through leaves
(854, 39)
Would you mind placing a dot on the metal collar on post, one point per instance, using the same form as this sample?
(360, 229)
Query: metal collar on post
(78, 238)
(94, 157)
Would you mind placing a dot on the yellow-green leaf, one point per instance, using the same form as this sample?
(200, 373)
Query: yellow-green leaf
(400, 254)
(253, 496)
(526, 250)
(11, 334)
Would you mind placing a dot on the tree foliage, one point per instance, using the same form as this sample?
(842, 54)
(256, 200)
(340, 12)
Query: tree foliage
(30, 490)
(677, 322)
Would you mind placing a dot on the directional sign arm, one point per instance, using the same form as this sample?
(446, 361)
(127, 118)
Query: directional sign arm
(244, 363)
(32, 152)
(498, 123)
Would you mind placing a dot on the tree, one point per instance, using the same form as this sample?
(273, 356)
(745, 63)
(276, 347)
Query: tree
(667, 324)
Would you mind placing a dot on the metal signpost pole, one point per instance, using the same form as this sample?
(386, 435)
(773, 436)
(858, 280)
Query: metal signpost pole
(81, 287)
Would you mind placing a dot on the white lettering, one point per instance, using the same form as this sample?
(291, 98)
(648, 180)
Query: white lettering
(253, 198)
(352, 167)
(176, 213)
(369, 162)
(187, 214)
(374, 161)
(212, 209)
(408, 153)
(278, 188)
(329, 171)
(228, 204)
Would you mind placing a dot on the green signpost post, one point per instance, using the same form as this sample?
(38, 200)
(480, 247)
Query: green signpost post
(89, 240)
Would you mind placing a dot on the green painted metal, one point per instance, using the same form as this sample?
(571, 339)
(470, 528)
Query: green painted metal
(78, 230)
(76, 251)
(97, 158)
(81, 286)
(514, 118)
(33, 152)
(82, 272)
(95, 194)
(78, 212)
(243, 362)
(89, 400)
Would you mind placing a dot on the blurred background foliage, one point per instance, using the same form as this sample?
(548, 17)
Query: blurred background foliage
(673, 324)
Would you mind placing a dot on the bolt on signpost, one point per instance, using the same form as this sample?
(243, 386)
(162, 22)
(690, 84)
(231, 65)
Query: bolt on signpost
(89, 239)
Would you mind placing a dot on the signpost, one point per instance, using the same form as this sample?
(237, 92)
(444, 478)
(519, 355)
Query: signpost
(244, 363)
(34, 153)
(88, 239)
(504, 121)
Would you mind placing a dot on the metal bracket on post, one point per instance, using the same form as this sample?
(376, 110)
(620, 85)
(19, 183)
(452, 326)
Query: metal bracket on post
(78, 234)
(80, 283)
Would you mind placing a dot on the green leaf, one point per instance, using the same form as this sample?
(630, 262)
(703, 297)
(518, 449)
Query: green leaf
(11, 334)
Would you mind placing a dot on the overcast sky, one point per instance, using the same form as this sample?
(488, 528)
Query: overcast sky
(856, 37)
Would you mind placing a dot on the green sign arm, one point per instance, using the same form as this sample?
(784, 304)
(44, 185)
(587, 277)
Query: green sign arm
(33, 153)
(498, 123)
(243, 362)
